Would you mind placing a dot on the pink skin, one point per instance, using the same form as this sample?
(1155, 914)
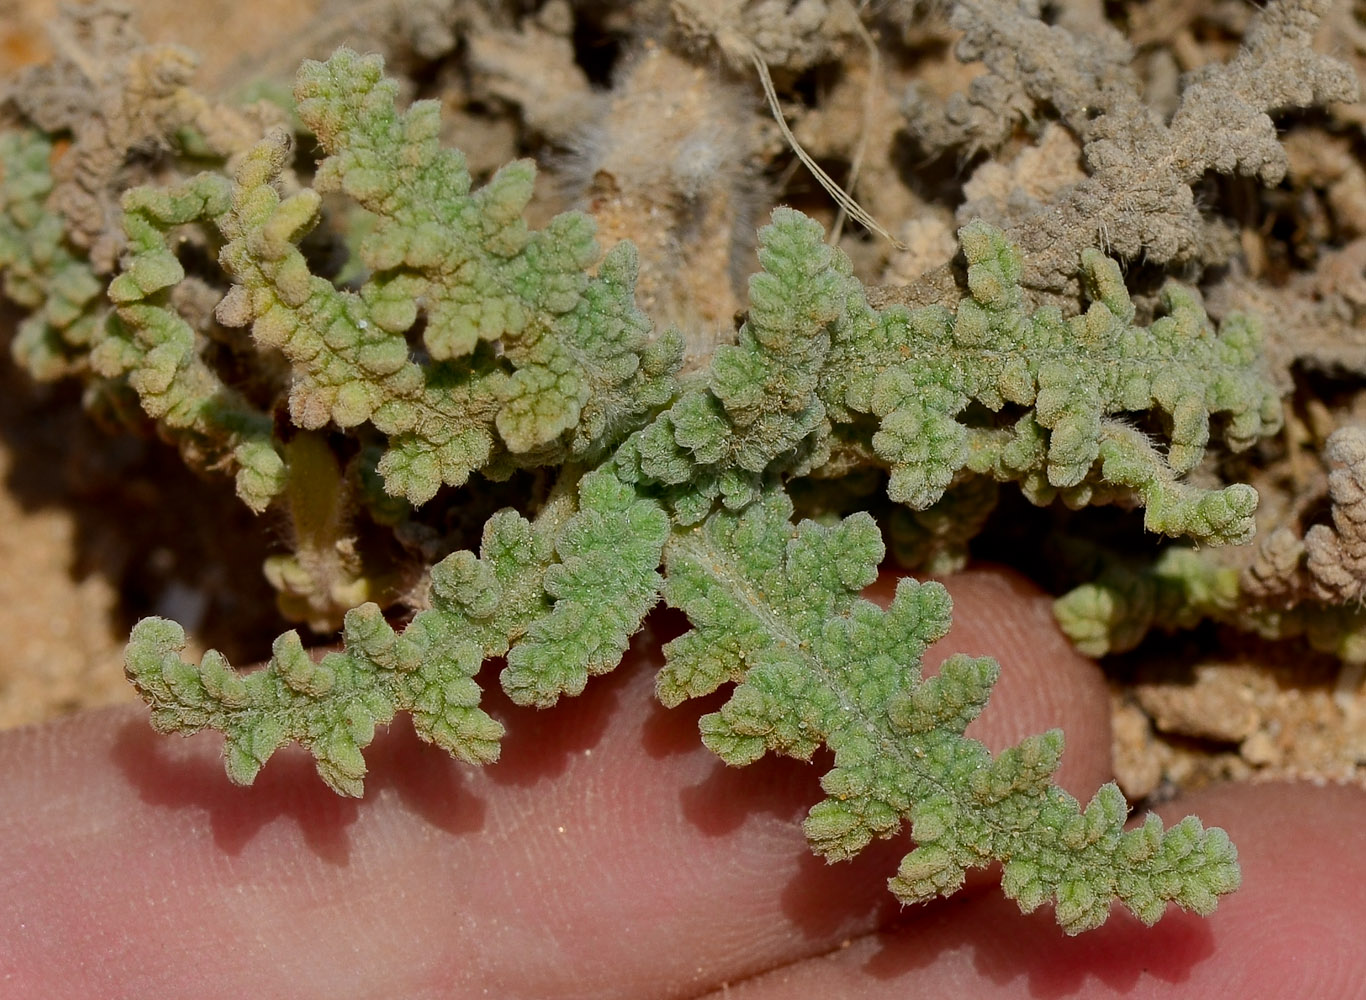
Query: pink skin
(609, 855)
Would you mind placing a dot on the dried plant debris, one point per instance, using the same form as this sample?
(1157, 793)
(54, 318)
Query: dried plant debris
(130, 115)
(796, 36)
(1335, 557)
(1137, 199)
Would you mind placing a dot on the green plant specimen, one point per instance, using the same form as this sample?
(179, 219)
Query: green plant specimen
(465, 347)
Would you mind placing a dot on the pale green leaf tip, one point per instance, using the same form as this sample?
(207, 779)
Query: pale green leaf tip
(813, 663)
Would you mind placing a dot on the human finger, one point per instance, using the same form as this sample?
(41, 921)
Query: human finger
(1292, 930)
(607, 849)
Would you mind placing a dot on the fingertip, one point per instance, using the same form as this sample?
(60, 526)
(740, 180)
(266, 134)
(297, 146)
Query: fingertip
(1293, 928)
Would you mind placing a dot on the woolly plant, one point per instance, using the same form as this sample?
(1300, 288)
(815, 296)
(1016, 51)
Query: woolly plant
(464, 347)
